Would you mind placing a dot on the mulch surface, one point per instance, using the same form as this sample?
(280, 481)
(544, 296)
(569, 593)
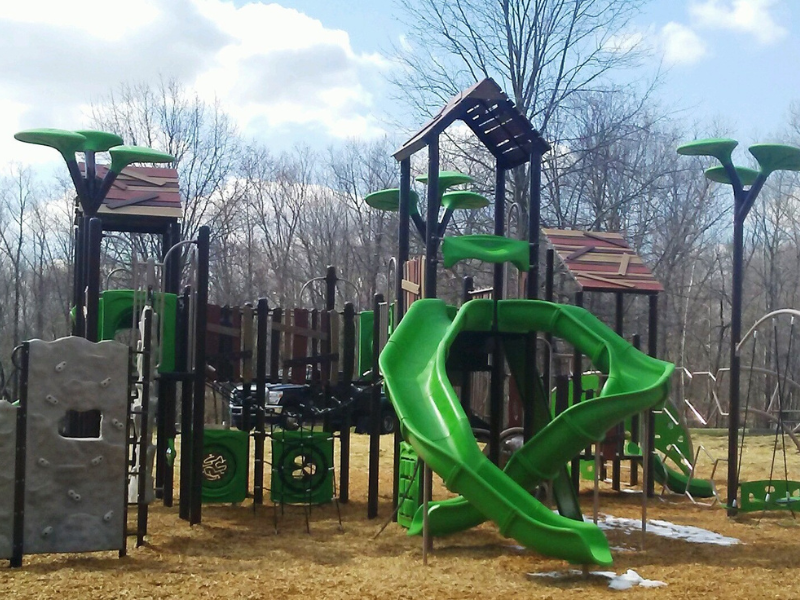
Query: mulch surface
(236, 552)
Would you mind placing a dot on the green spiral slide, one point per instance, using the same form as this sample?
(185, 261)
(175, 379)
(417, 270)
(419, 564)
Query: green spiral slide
(432, 420)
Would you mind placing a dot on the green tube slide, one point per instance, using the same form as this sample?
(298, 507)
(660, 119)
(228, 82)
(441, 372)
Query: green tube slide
(433, 422)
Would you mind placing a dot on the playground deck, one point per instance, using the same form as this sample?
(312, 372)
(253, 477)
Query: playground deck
(236, 554)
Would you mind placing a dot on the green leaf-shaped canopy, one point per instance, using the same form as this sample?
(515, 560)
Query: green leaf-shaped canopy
(66, 142)
(122, 156)
(720, 175)
(389, 200)
(719, 148)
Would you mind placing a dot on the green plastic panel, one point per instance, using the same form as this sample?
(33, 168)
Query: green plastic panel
(720, 175)
(122, 156)
(302, 467)
(116, 314)
(447, 179)
(460, 200)
(99, 141)
(225, 465)
(776, 157)
(783, 495)
(719, 148)
(408, 486)
(66, 142)
(488, 248)
(389, 200)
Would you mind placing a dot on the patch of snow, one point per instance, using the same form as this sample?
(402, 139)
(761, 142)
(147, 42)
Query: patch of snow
(615, 582)
(688, 533)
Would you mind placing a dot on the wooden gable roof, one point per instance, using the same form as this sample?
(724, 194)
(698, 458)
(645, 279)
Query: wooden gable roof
(602, 262)
(492, 117)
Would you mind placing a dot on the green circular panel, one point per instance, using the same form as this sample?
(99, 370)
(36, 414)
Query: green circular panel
(389, 200)
(463, 200)
(219, 467)
(447, 179)
(66, 142)
(720, 175)
(99, 141)
(719, 148)
(122, 156)
(302, 468)
(776, 157)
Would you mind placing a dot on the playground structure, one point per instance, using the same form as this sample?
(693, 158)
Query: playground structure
(746, 184)
(422, 350)
(431, 415)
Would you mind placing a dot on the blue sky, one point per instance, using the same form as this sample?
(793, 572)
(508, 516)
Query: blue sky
(314, 71)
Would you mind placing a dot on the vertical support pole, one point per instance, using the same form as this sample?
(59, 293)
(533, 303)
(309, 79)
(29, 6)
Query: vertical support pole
(182, 353)
(95, 238)
(532, 281)
(400, 302)
(549, 279)
(432, 221)
(577, 394)
(201, 314)
(18, 530)
(497, 383)
(163, 389)
(348, 366)
(169, 387)
(262, 316)
(616, 465)
(534, 218)
(246, 315)
(652, 349)
(375, 413)
(78, 281)
(466, 376)
(431, 263)
(144, 434)
(636, 421)
(735, 375)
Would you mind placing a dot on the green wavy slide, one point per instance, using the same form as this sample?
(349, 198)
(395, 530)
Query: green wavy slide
(432, 420)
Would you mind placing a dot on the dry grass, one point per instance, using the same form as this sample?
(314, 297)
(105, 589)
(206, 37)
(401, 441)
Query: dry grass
(235, 553)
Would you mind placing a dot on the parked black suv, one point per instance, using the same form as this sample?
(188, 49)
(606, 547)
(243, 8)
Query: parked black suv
(290, 404)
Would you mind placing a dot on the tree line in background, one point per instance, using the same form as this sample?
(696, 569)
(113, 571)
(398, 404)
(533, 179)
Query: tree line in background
(278, 219)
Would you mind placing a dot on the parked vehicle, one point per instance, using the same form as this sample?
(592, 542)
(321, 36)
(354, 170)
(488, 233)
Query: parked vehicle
(289, 404)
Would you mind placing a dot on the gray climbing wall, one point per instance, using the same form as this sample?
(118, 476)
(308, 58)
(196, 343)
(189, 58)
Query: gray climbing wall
(8, 437)
(75, 488)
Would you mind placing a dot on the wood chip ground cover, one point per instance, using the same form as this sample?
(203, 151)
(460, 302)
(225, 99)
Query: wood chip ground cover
(236, 553)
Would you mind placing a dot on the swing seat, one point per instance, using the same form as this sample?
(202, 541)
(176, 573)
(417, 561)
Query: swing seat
(783, 495)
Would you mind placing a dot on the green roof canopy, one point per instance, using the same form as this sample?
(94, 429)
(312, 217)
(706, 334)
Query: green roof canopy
(389, 200)
(719, 148)
(720, 175)
(66, 142)
(122, 156)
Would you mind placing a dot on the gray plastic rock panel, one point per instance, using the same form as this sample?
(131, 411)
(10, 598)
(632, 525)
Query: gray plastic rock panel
(8, 449)
(75, 488)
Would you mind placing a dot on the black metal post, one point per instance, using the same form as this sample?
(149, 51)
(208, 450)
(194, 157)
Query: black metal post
(534, 218)
(497, 383)
(577, 394)
(182, 352)
(201, 317)
(375, 414)
(262, 316)
(636, 342)
(78, 281)
(94, 238)
(403, 243)
(348, 366)
(549, 280)
(616, 465)
(144, 430)
(170, 387)
(18, 529)
(652, 350)
(431, 239)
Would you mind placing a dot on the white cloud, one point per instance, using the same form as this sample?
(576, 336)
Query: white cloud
(752, 17)
(681, 45)
(271, 67)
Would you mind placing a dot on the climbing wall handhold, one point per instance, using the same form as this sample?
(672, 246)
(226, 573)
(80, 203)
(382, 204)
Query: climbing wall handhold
(51, 399)
(61, 366)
